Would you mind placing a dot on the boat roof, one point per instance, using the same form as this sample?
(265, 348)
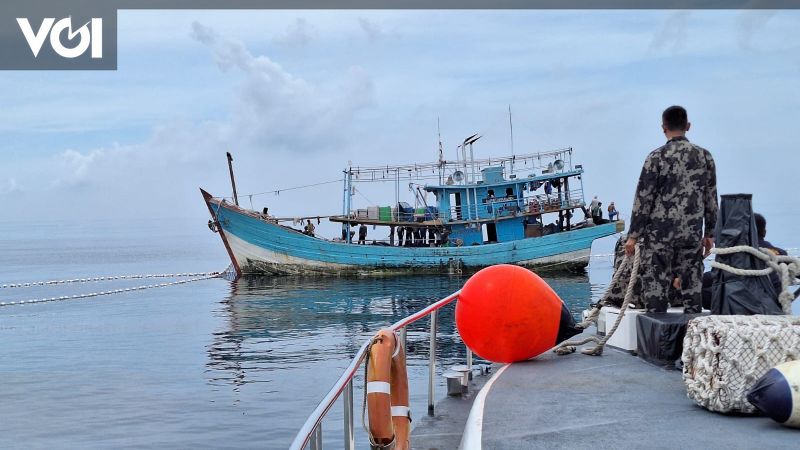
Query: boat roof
(507, 182)
(524, 162)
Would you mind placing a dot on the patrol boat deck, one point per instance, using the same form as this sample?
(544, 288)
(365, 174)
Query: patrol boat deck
(578, 401)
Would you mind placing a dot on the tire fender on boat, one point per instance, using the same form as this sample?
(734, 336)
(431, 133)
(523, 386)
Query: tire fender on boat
(387, 393)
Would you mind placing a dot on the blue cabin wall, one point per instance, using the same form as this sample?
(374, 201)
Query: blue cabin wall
(510, 230)
(469, 235)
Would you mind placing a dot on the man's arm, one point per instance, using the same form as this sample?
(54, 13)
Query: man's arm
(643, 200)
(710, 204)
(710, 197)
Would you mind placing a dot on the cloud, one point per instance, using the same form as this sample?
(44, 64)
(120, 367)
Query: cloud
(275, 119)
(10, 186)
(673, 33)
(298, 34)
(372, 29)
(74, 167)
(278, 110)
(749, 23)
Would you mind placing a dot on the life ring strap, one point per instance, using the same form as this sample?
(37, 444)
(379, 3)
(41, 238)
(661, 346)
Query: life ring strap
(401, 411)
(397, 346)
(379, 387)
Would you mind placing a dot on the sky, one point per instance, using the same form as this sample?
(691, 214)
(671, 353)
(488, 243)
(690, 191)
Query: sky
(295, 95)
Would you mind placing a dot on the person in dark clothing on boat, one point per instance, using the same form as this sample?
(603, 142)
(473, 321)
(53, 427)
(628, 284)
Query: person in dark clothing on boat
(673, 216)
(362, 234)
(597, 214)
(761, 229)
(309, 228)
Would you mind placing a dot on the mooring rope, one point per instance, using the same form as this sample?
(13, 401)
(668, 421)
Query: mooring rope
(568, 347)
(787, 267)
(107, 278)
(204, 276)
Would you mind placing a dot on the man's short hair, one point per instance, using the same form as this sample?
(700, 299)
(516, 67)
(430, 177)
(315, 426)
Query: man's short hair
(761, 225)
(675, 118)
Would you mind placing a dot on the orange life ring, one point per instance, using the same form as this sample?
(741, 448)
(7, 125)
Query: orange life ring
(387, 393)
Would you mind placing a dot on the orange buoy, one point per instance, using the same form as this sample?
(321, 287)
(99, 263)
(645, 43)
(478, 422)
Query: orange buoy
(507, 313)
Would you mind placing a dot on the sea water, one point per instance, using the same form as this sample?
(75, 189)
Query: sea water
(210, 364)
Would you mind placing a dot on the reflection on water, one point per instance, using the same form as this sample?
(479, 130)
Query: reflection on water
(295, 332)
(276, 323)
(280, 323)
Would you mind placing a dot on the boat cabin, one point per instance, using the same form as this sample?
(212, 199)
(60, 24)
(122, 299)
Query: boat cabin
(476, 201)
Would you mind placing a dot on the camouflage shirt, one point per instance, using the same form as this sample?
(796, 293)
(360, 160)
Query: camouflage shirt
(677, 191)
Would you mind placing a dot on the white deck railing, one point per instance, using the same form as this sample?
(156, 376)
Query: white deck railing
(311, 431)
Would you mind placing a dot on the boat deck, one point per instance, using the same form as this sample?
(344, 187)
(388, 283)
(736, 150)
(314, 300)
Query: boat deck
(608, 402)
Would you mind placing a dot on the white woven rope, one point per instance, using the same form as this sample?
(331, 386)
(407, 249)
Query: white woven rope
(724, 355)
(568, 347)
(109, 292)
(787, 267)
(107, 278)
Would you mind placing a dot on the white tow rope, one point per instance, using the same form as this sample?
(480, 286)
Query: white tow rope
(197, 277)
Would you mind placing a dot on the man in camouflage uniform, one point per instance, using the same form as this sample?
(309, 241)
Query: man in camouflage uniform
(677, 193)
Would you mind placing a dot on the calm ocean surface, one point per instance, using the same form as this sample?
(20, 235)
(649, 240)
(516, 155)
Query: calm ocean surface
(211, 364)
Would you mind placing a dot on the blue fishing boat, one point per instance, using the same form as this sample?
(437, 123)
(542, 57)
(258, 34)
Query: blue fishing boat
(519, 209)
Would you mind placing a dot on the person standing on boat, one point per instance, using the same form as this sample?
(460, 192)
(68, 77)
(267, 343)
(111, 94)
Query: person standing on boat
(595, 202)
(309, 228)
(673, 216)
(362, 234)
(597, 214)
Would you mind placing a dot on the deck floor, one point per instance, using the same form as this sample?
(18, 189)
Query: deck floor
(609, 402)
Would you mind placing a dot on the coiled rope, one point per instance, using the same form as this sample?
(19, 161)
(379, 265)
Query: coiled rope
(568, 347)
(787, 267)
(202, 276)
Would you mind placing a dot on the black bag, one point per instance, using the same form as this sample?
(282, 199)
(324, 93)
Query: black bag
(736, 294)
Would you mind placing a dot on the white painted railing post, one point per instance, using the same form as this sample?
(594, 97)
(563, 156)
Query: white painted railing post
(432, 364)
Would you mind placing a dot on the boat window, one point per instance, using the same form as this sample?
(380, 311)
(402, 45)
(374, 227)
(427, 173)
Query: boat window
(455, 204)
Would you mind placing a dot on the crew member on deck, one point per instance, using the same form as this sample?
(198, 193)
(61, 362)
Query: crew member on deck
(612, 212)
(309, 228)
(362, 234)
(676, 196)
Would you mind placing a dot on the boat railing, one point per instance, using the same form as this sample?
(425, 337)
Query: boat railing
(499, 207)
(310, 433)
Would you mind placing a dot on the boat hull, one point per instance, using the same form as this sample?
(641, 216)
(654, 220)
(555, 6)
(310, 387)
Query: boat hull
(257, 246)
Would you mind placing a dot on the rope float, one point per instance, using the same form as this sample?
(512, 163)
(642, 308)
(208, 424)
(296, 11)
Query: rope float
(199, 276)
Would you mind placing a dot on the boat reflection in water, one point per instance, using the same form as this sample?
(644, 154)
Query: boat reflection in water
(298, 334)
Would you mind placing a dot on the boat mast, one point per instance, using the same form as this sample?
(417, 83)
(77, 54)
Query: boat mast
(233, 182)
(345, 190)
(349, 197)
(511, 127)
(441, 150)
